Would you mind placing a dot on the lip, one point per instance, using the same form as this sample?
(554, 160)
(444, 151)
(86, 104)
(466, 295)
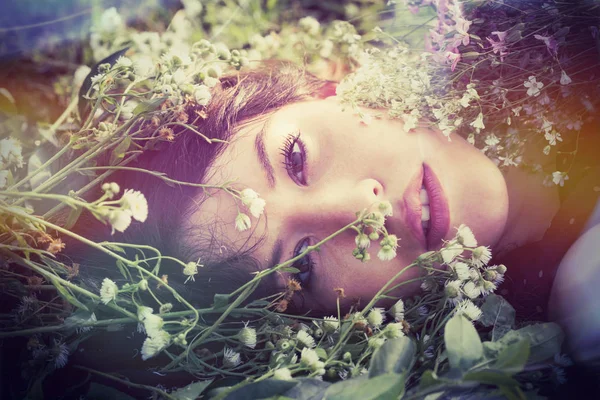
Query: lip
(412, 205)
(438, 208)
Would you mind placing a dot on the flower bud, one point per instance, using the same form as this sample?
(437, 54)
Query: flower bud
(347, 357)
(143, 285)
(165, 308)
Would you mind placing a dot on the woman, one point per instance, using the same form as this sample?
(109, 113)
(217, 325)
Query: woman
(316, 165)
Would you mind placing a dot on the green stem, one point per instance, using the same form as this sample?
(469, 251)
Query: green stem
(127, 383)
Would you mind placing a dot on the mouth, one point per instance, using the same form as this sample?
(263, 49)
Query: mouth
(427, 211)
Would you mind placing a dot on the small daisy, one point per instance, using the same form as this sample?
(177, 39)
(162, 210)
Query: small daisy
(330, 324)
(386, 253)
(451, 251)
(135, 202)
(242, 222)
(231, 358)
(462, 270)
(468, 309)
(375, 317)
(385, 207)
(481, 256)
(471, 290)
(393, 330)
(464, 236)
(257, 207)
(362, 241)
(108, 291)
(452, 290)
(308, 357)
(283, 374)
(305, 339)
(247, 336)
(397, 311)
(119, 220)
(155, 344)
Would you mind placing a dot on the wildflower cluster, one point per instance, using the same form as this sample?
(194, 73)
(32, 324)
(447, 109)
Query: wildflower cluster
(372, 228)
(508, 70)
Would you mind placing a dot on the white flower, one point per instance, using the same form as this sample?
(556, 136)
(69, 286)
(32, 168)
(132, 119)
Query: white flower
(330, 324)
(462, 270)
(202, 95)
(487, 287)
(468, 309)
(3, 178)
(310, 25)
(242, 222)
(247, 196)
(452, 289)
(308, 357)
(464, 236)
(559, 178)
(231, 358)
(471, 290)
(144, 66)
(190, 270)
(376, 342)
(110, 22)
(305, 339)
(136, 203)
(451, 251)
(119, 219)
(192, 8)
(397, 311)
(385, 207)
(108, 291)
(533, 86)
(552, 137)
(179, 76)
(153, 324)
(247, 336)
(481, 256)
(123, 62)
(393, 330)
(386, 253)
(257, 207)
(283, 374)
(564, 78)
(362, 241)
(375, 317)
(478, 122)
(10, 152)
(155, 344)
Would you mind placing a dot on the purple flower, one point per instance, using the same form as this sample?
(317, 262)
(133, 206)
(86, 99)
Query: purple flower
(498, 47)
(550, 42)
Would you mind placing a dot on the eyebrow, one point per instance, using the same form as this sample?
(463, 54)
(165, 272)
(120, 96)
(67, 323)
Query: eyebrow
(263, 157)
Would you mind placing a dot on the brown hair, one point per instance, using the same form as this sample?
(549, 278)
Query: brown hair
(240, 97)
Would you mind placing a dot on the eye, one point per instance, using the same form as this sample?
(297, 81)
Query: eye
(305, 264)
(294, 158)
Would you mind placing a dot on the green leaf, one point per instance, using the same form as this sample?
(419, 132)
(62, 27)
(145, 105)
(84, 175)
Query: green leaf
(490, 377)
(98, 391)
(191, 391)
(463, 344)
(118, 152)
(428, 378)
(513, 357)
(382, 387)
(149, 106)
(497, 312)
(220, 300)
(545, 340)
(321, 353)
(512, 392)
(307, 389)
(396, 355)
(114, 247)
(122, 268)
(261, 390)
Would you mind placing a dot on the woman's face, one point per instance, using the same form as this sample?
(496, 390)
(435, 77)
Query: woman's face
(336, 166)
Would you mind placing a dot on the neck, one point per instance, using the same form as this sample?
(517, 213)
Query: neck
(532, 206)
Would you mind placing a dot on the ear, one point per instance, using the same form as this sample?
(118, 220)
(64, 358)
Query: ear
(327, 90)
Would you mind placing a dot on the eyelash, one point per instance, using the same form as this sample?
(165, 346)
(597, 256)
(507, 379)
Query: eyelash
(287, 151)
(307, 262)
